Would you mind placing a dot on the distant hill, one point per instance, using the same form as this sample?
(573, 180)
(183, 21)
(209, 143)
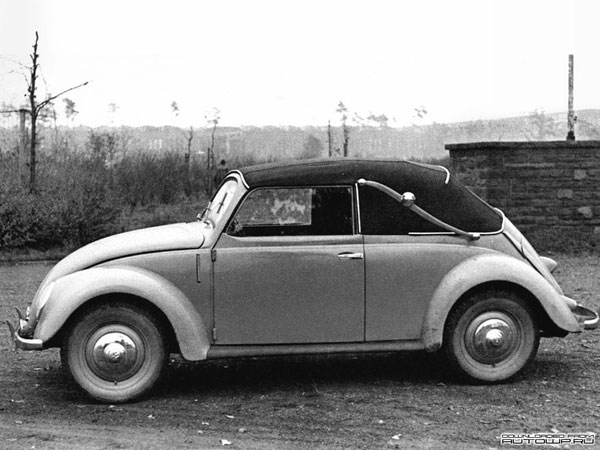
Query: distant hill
(256, 144)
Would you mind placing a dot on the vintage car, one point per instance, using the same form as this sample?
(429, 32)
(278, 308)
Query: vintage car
(320, 256)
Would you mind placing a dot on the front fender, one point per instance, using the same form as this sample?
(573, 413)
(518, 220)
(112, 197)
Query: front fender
(72, 291)
(486, 268)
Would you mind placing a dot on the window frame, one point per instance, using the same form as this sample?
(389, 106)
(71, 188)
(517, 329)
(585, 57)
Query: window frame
(353, 189)
(427, 233)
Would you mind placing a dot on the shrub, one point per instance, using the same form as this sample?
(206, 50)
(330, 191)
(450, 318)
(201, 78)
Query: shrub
(82, 192)
(19, 218)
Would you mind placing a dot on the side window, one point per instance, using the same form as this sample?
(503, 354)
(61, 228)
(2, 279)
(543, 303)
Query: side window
(380, 214)
(294, 212)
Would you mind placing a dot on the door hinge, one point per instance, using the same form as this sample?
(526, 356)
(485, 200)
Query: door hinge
(213, 254)
(214, 334)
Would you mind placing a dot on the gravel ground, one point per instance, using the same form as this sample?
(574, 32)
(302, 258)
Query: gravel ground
(379, 401)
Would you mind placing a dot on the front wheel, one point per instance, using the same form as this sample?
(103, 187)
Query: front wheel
(491, 336)
(115, 352)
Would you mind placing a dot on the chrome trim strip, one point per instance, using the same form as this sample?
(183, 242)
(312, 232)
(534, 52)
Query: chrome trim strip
(358, 221)
(241, 175)
(449, 233)
(447, 174)
(425, 215)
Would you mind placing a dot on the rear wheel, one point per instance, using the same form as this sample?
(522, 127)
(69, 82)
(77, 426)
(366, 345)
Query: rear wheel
(115, 352)
(491, 336)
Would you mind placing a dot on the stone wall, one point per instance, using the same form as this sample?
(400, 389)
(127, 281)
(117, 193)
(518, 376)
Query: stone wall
(550, 190)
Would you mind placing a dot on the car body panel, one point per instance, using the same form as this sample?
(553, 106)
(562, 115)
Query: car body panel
(189, 270)
(486, 268)
(74, 290)
(402, 273)
(288, 290)
(156, 239)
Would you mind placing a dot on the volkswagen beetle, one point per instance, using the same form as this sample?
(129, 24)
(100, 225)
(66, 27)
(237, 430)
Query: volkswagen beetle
(320, 256)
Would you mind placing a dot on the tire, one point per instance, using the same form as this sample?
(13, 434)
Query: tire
(115, 352)
(491, 336)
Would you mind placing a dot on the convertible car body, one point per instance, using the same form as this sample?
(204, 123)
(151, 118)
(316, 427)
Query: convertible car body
(320, 256)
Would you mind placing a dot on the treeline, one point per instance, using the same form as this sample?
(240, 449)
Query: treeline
(95, 182)
(85, 195)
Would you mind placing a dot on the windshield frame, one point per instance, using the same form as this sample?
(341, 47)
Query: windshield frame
(224, 201)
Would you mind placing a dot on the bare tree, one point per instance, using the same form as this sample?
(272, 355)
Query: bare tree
(175, 108)
(329, 140)
(35, 109)
(189, 136)
(212, 119)
(112, 111)
(380, 120)
(420, 112)
(343, 111)
(70, 111)
(542, 124)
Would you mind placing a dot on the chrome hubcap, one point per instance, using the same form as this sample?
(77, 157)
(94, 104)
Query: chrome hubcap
(114, 355)
(492, 338)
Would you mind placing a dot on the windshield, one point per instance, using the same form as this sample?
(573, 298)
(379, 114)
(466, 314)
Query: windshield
(222, 202)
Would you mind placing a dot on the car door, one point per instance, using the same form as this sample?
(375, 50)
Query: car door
(402, 270)
(289, 269)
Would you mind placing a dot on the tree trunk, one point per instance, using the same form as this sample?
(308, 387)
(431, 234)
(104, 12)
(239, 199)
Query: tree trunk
(23, 148)
(329, 143)
(32, 154)
(346, 139)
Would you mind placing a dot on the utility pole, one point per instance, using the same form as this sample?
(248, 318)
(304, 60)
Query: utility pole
(571, 115)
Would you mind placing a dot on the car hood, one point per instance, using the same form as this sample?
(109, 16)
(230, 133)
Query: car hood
(179, 236)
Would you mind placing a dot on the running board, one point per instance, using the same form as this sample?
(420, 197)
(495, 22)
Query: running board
(235, 351)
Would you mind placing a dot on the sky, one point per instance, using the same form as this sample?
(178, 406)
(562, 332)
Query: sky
(290, 62)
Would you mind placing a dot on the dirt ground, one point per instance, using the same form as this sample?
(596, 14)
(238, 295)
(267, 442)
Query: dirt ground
(379, 401)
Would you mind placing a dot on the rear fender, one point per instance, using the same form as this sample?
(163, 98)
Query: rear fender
(486, 268)
(74, 290)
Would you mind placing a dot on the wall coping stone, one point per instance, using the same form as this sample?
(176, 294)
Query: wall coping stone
(520, 145)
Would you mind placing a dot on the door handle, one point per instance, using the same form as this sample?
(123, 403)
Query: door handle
(348, 255)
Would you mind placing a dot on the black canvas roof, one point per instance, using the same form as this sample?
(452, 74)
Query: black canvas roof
(341, 171)
(436, 191)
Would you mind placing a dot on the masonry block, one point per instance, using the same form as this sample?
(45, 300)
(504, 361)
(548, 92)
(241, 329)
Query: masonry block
(586, 211)
(564, 193)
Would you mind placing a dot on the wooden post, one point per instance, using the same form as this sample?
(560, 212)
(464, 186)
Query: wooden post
(571, 114)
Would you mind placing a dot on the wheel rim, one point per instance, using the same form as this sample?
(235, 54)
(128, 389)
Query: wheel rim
(115, 353)
(493, 337)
